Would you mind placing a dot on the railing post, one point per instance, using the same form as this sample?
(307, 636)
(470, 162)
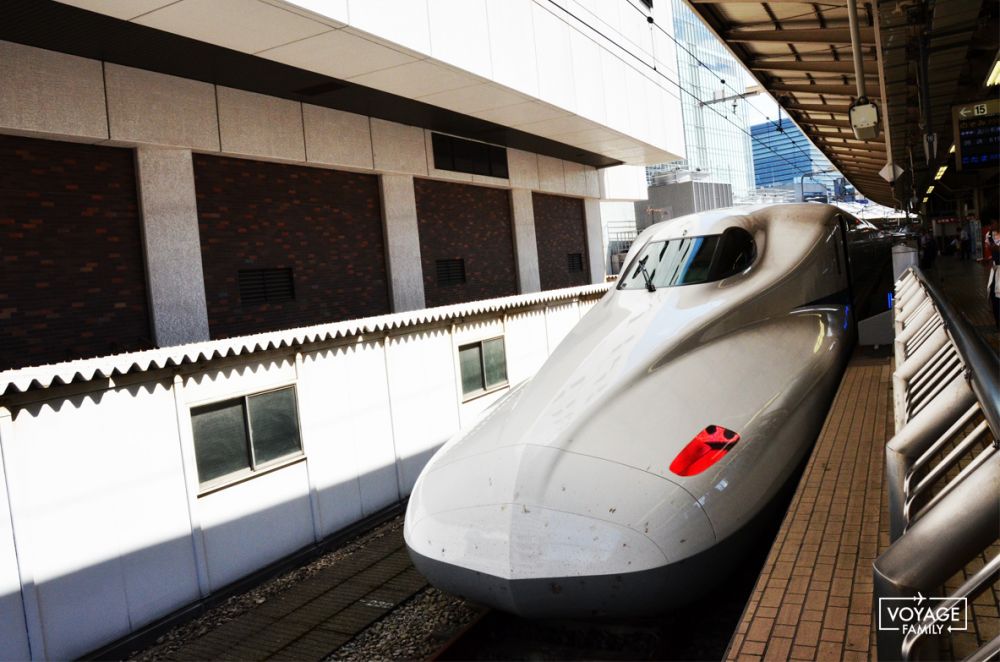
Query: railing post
(913, 439)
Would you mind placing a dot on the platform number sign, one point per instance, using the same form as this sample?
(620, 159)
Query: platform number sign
(976, 127)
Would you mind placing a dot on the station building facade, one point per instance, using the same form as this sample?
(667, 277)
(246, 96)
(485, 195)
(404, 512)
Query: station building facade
(176, 172)
(262, 257)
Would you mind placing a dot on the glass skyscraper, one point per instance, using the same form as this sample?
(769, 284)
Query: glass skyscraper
(715, 133)
(783, 157)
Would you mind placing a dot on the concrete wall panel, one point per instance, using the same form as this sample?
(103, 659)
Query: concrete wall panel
(148, 107)
(334, 137)
(424, 410)
(54, 93)
(551, 175)
(460, 34)
(258, 125)
(398, 148)
(575, 176)
(79, 474)
(523, 169)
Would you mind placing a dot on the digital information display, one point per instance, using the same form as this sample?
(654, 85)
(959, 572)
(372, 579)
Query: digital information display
(977, 134)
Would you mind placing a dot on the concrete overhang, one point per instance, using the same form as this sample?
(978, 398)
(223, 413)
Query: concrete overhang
(284, 44)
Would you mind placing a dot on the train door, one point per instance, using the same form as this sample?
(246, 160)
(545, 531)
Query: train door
(844, 256)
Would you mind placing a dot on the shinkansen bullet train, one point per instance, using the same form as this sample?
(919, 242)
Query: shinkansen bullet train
(622, 478)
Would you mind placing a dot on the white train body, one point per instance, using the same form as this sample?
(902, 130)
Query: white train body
(562, 500)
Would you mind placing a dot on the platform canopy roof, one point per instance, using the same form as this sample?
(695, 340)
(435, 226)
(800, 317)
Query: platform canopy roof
(801, 53)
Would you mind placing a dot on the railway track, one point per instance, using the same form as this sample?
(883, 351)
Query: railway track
(364, 601)
(699, 631)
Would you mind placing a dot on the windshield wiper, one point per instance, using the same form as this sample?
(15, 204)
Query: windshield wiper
(645, 274)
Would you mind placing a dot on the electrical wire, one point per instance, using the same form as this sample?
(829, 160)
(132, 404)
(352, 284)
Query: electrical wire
(739, 94)
(680, 87)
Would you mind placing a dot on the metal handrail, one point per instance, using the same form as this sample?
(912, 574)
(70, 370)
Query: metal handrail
(938, 392)
(969, 589)
(979, 358)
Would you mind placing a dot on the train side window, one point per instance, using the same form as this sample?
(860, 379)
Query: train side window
(483, 366)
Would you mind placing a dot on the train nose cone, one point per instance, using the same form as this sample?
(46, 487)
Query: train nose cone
(541, 531)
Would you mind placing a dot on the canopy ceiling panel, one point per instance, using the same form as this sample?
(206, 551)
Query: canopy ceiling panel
(801, 53)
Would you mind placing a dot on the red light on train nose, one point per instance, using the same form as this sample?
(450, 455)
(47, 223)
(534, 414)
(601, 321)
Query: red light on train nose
(704, 450)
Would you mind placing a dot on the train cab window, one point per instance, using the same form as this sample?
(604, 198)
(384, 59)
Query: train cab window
(690, 260)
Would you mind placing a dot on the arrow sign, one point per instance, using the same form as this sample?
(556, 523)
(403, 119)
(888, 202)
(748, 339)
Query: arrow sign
(964, 112)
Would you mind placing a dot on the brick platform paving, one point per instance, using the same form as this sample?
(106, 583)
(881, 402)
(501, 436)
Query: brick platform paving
(313, 618)
(813, 599)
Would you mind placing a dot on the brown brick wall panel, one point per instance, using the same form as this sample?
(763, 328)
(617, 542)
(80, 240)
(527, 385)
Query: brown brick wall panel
(560, 229)
(325, 225)
(74, 283)
(468, 222)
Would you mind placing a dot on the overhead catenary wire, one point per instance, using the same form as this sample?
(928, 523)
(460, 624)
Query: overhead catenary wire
(738, 93)
(741, 94)
(679, 86)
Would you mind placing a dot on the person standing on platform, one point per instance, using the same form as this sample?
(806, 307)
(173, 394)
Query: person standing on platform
(964, 244)
(993, 283)
(928, 250)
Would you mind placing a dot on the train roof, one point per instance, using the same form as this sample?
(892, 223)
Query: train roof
(716, 220)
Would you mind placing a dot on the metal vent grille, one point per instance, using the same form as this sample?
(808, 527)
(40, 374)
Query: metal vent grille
(266, 286)
(450, 271)
(575, 262)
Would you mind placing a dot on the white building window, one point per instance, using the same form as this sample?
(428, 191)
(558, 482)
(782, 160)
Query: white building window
(234, 439)
(484, 367)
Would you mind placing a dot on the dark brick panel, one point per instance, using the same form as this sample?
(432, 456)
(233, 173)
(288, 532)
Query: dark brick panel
(74, 283)
(325, 225)
(560, 230)
(468, 222)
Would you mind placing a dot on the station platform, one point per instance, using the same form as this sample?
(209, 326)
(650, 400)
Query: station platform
(813, 599)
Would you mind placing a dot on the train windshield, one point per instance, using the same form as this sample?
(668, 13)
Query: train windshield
(690, 260)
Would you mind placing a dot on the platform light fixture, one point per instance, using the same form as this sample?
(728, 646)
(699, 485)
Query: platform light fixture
(924, 200)
(994, 77)
(930, 189)
(952, 150)
(940, 172)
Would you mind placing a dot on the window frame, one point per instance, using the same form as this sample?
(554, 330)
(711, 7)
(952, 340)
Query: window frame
(468, 397)
(254, 470)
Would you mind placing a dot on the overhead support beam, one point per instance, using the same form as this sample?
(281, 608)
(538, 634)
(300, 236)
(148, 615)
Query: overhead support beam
(825, 122)
(874, 166)
(836, 3)
(800, 36)
(872, 159)
(877, 148)
(835, 134)
(866, 173)
(837, 90)
(838, 149)
(825, 66)
(817, 108)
